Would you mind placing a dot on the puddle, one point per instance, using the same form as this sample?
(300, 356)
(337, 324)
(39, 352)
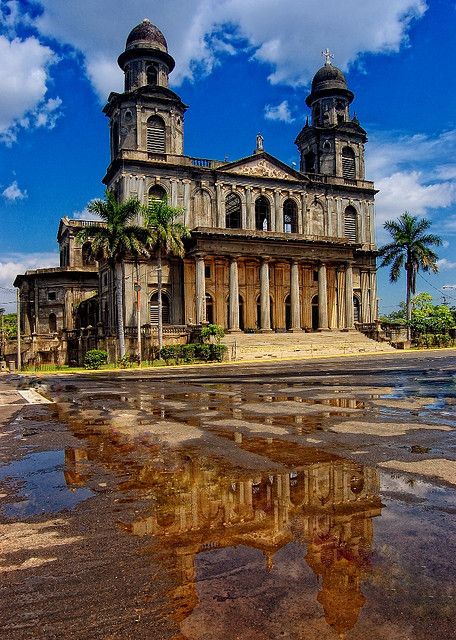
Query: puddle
(39, 484)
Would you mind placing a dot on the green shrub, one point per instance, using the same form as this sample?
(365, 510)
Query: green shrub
(187, 352)
(203, 352)
(170, 352)
(212, 331)
(217, 352)
(95, 358)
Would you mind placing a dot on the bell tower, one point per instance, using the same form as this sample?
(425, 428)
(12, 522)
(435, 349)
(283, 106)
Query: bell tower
(332, 143)
(147, 119)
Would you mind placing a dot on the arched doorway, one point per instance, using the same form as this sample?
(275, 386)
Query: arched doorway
(209, 309)
(315, 313)
(52, 323)
(154, 309)
(288, 313)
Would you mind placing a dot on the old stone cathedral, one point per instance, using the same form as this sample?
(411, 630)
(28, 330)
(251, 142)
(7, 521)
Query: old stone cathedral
(271, 249)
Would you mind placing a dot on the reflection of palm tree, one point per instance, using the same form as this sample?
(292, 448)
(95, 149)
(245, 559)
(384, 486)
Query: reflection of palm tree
(112, 240)
(2, 333)
(410, 248)
(166, 238)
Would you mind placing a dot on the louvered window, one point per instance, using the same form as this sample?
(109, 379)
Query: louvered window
(154, 309)
(155, 135)
(350, 230)
(348, 163)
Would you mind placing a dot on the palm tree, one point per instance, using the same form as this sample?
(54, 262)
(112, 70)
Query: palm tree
(166, 238)
(410, 249)
(114, 238)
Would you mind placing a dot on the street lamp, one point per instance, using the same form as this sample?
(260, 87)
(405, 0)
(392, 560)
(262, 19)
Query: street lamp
(137, 288)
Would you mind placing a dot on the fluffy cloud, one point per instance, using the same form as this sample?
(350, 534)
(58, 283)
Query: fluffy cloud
(280, 112)
(199, 32)
(445, 264)
(12, 193)
(413, 173)
(23, 87)
(13, 264)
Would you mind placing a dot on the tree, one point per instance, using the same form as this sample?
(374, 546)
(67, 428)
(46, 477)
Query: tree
(166, 238)
(428, 317)
(410, 249)
(112, 240)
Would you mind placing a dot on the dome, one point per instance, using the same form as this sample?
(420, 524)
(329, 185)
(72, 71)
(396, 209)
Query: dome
(146, 35)
(328, 77)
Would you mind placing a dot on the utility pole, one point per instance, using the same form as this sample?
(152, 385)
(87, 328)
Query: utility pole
(18, 305)
(138, 318)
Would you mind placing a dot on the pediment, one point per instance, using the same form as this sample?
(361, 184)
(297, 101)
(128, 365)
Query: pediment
(262, 167)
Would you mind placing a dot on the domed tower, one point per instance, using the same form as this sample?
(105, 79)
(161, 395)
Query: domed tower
(147, 119)
(333, 143)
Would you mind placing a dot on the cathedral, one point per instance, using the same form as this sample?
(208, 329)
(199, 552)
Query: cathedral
(272, 249)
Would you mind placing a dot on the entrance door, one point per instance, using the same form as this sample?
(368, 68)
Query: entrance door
(314, 313)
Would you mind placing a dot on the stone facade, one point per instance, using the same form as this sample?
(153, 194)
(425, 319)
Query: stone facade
(272, 248)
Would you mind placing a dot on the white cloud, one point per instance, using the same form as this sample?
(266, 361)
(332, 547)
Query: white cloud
(23, 87)
(16, 263)
(280, 112)
(85, 215)
(12, 193)
(200, 31)
(445, 264)
(413, 174)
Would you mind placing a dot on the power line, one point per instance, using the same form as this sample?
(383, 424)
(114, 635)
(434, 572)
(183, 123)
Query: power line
(442, 293)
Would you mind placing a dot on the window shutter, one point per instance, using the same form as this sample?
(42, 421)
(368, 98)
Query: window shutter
(156, 136)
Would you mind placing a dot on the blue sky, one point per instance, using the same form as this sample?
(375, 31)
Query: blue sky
(243, 66)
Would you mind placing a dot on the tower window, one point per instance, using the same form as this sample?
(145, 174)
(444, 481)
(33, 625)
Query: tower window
(156, 135)
(350, 227)
(290, 214)
(232, 211)
(348, 163)
(309, 162)
(51, 295)
(156, 193)
(52, 323)
(262, 211)
(115, 139)
(152, 75)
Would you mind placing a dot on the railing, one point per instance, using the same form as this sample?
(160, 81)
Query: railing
(201, 162)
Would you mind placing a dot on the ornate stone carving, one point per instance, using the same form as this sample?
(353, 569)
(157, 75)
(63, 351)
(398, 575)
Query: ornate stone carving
(263, 169)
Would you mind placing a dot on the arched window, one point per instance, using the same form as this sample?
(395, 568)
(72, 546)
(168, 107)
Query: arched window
(156, 135)
(348, 163)
(152, 75)
(309, 162)
(350, 226)
(87, 257)
(262, 210)
(290, 216)
(154, 309)
(233, 211)
(156, 193)
(209, 309)
(52, 323)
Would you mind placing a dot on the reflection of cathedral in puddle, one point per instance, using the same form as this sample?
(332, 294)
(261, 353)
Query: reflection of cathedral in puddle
(327, 505)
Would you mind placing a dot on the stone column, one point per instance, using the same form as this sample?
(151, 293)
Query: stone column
(173, 192)
(233, 300)
(187, 213)
(243, 211)
(250, 211)
(265, 301)
(349, 320)
(200, 289)
(322, 299)
(278, 212)
(220, 204)
(295, 297)
(365, 310)
(340, 275)
(373, 296)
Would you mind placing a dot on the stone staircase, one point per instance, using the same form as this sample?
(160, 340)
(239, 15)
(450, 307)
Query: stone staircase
(265, 346)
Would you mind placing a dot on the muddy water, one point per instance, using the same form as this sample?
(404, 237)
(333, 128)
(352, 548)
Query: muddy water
(251, 509)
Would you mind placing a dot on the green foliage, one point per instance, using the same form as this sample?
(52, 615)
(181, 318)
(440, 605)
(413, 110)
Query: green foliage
(95, 359)
(187, 353)
(212, 331)
(166, 231)
(430, 318)
(429, 340)
(9, 325)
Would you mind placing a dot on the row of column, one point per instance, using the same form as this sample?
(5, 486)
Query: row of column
(344, 295)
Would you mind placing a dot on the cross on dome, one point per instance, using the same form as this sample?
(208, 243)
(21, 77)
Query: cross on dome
(328, 56)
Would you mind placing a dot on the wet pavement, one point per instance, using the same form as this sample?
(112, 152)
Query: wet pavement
(296, 500)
